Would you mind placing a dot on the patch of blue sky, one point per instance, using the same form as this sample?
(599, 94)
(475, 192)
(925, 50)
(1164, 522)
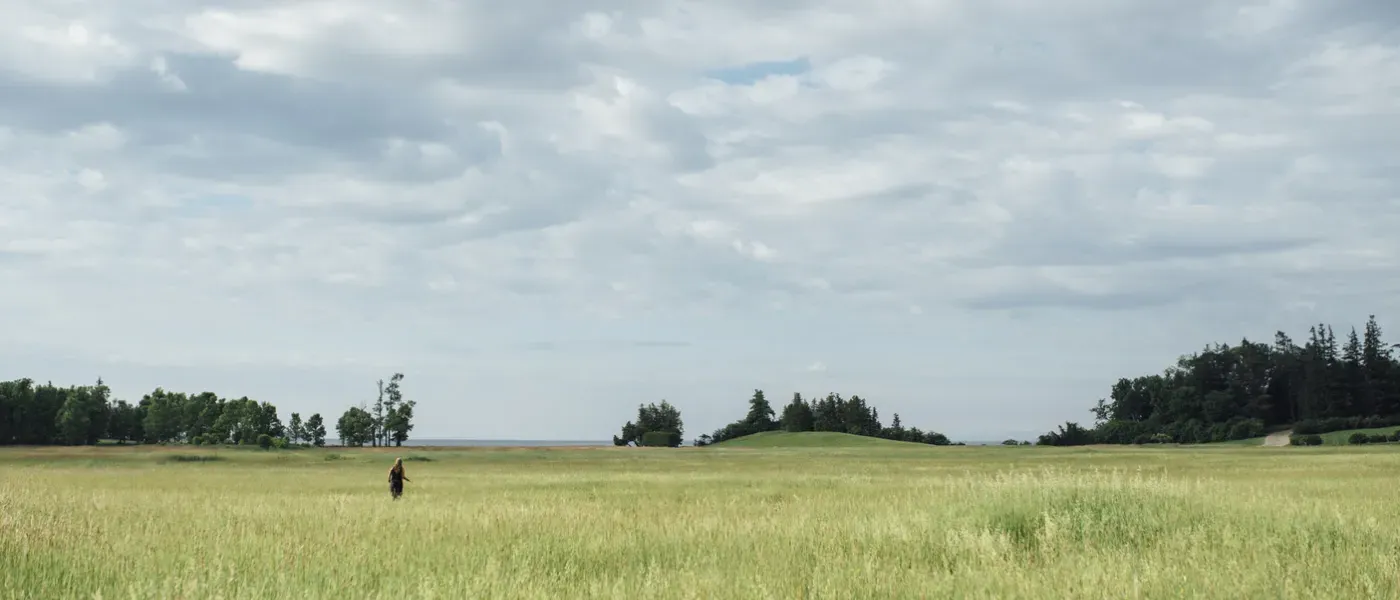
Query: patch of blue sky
(750, 73)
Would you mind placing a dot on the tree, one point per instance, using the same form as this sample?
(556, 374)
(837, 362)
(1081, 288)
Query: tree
(398, 413)
(74, 418)
(355, 427)
(1237, 392)
(296, 432)
(652, 417)
(316, 430)
(268, 423)
(241, 422)
(378, 433)
(122, 422)
(760, 417)
(797, 415)
(833, 413)
(401, 422)
(163, 416)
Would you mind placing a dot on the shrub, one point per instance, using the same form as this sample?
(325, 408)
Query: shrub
(192, 458)
(1359, 438)
(265, 441)
(1218, 432)
(658, 439)
(1379, 438)
(1247, 428)
(417, 458)
(197, 440)
(279, 443)
(1011, 443)
(1311, 439)
(1306, 427)
(1395, 437)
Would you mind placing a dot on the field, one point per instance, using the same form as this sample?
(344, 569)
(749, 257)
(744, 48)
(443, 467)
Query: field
(886, 521)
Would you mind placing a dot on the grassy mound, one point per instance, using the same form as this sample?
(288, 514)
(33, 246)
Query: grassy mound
(808, 439)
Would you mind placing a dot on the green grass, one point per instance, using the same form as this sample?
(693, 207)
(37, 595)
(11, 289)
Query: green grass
(808, 439)
(1339, 438)
(1335, 438)
(888, 521)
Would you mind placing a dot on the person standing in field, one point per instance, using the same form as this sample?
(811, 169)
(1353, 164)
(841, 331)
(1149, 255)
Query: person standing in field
(396, 478)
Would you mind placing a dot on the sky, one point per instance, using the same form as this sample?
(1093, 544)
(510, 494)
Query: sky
(975, 214)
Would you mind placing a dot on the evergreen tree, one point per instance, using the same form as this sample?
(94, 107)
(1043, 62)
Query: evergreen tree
(760, 417)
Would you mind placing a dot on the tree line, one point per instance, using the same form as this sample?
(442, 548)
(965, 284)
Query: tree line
(660, 425)
(46, 414)
(1226, 392)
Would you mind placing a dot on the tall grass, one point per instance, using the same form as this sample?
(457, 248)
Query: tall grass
(885, 522)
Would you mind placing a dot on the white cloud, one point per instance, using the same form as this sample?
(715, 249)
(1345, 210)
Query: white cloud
(520, 206)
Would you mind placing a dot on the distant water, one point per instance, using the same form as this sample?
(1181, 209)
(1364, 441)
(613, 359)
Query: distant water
(531, 443)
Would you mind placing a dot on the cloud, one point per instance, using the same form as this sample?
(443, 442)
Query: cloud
(683, 200)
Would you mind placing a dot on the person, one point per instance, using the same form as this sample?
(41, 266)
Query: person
(396, 478)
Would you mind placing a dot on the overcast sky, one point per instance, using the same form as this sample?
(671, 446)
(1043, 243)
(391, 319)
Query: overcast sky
(976, 214)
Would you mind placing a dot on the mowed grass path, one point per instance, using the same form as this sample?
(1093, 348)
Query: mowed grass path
(879, 522)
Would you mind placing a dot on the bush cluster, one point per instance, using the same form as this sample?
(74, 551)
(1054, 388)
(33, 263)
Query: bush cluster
(1374, 438)
(1344, 423)
(661, 439)
(1147, 432)
(1311, 439)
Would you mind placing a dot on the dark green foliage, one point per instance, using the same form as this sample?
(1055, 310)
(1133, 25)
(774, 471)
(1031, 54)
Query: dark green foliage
(797, 415)
(355, 427)
(832, 413)
(652, 417)
(265, 441)
(1240, 392)
(1311, 439)
(1070, 434)
(296, 430)
(47, 414)
(1011, 443)
(760, 417)
(1246, 429)
(937, 439)
(316, 430)
(1359, 438)
(191, 458)
(661, 439)
(417, 458)
(393, 416)
(1344, 423)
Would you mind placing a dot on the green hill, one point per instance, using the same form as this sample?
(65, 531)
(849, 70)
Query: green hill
(808, 439)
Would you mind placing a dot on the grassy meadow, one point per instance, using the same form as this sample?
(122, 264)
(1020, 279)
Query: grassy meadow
(884, 521)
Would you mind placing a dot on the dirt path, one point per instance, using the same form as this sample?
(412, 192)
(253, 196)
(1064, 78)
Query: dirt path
(1278, 439)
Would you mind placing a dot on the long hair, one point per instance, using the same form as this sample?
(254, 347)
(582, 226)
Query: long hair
(398, 466)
